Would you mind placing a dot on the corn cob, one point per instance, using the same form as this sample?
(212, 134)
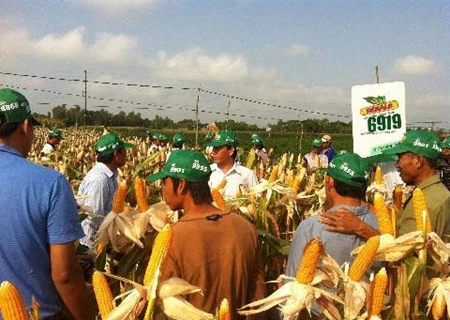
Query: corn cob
(224, 310)
(377, 296)
(295, 186)
(311, 255)
(316, 161)
(103, 294)
(364, 259)
(218, 199)
(250, 158)
(273, 174)
(141, 194)
(35, 309)
(420, 205)
(398, 198)
(438, 308)
(222, 184)
(160, 248)
(382, 214)
(12, 306)
(378, 176)
(119, 198)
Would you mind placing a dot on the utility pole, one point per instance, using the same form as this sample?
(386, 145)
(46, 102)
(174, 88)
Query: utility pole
(197, 117)
(228, 115)
(85, 98)
(377, 74)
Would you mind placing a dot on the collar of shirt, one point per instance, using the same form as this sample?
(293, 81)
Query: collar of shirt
(359, 210)
(104, 168)
(5, 148)
(434, 179)
(236, 167)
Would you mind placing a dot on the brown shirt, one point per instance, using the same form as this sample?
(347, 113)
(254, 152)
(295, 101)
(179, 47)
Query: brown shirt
(218, 253)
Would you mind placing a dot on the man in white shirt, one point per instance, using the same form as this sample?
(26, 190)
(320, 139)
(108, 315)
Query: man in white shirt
(226, 167)
(54, 138)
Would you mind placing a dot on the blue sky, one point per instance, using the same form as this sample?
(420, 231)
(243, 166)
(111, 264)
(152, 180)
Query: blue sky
(296, 54)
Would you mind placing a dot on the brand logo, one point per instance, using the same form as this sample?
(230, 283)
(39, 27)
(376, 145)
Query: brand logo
(345, 168)
(420, 144)
(378, 105)
(11, 106)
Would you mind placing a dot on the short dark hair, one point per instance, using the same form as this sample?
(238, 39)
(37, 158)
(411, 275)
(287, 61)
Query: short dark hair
(106, 159)
(7, 129)
(431, 162)
(235, 152)
(346, 190)
(200, 191)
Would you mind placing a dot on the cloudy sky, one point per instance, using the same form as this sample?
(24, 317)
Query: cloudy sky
(298, 59)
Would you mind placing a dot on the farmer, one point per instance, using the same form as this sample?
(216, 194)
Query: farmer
(326, 148)
(100, 184)
(348, 223)
(39, 220)
(214, 250)
(178, 141)
(156, 144)
(418, 153)
(444, 164)
(54, 138)
(258, 146)
(315, 160)
(225, 166)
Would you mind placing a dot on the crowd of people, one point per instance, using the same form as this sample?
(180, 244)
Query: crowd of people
(212, 249)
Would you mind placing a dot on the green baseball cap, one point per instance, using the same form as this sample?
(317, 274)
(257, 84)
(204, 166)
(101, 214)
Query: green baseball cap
(446, 143)
(56, 133)
(109, 143)
(425, 143)
(316, 143)
(14, 107)
(163, 137)
(350, 169)
(224, 138)
(189, 165)
(178, 137)
(256, 139)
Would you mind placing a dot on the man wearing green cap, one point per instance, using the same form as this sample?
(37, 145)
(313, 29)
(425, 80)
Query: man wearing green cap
(100, 183)
(258, 146)
(53, 139)
(39, 220)
(214, 250)
(417, 162)
(314, 160)
(444, 163)
(225, 166)
(345, 187)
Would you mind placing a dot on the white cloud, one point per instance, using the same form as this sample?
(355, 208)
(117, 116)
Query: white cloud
(120, 7)
(415, 65)
(297, 50)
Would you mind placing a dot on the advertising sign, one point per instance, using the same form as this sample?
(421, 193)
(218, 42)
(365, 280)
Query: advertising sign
(378, 116)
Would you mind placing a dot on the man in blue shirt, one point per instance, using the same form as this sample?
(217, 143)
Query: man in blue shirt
(326, 147)
(345, 186)
(39, 222)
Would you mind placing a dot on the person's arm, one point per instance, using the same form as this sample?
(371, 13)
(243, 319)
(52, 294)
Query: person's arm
(345, 221)
(68, 278)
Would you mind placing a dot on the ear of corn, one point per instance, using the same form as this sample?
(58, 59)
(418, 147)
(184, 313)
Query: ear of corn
(311, 255)
(12, 306)
(224, 310)
(218, 199)
(160, 248)
(103, 294)
(420, 205)
(119, 198)
(316, 161)
(378, 176)
(364, 259)
(398, 198)
(382, 214)
(222, 184)
(273, 174)
(35, 309)
(377, 296)
(438, 307)
(296, 183)
(141, 194)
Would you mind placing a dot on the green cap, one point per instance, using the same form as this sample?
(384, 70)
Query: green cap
(14, 107)
(178, 137)
(109, 143)
(446, 143)
(350, 169)
(257, 139)
(224, 138)
(163, 137)
(425, 143)
(189, 165)
(56, 133)
(316, 143)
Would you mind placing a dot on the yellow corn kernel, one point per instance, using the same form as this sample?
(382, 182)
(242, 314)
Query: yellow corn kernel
(364, 259)
(398, 198)
(273, 174)
(311, 255)
(377, 296)
(420, 205)
(438, 308)
(383, 215)
(218, 199)
(296, 183)
(12, 306)
(119, 198)
(378, 176)
(103, 294)
(222, 184)
(141, 194)
(161, 246)
(224, 310)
